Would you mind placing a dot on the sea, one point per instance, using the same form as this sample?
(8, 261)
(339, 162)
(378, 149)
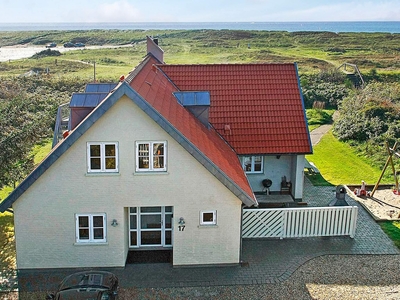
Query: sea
(375, 26)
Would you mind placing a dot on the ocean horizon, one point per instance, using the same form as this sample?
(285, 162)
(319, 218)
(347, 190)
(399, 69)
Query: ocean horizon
(371, 26)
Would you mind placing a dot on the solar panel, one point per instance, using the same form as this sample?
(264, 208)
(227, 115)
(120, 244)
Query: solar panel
(87, 99)
(193, 98)
(100, 87)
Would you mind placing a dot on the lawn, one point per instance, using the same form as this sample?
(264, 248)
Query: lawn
(339, 163)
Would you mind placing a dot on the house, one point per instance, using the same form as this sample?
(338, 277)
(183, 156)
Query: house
(165, 159)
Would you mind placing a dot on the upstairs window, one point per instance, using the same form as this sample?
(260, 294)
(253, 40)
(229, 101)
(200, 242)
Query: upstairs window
(102, 157)
(252, 164)
(90, 228)
(151, 156)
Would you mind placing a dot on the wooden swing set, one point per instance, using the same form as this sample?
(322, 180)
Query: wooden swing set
(391, 152)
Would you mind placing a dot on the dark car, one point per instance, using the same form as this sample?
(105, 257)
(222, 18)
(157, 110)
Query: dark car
(69, 45)
(79, 45)
(99, 285)
(51, 45)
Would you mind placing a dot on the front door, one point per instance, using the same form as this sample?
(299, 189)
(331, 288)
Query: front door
(150, 226)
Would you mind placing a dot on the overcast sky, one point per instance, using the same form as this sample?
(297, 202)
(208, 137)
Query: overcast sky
(12, 11)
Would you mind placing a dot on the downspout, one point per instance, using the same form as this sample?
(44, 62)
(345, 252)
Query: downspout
(241, 238)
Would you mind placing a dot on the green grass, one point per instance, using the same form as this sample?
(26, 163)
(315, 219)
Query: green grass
(392, 229)
(41, 151)
(339, 163)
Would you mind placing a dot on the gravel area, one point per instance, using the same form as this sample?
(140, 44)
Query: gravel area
(344, 277)
(325, 277)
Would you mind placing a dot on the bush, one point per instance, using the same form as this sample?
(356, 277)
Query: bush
(45, 53)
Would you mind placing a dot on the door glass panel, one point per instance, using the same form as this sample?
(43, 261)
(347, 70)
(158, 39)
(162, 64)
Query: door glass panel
(132, 222)
(150, 209)
(151, 237)
(168, 239)
(150, 221)
(133, 238)
(132, 210)
(168, 221)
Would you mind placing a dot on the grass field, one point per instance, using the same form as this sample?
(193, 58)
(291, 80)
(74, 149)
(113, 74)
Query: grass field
(312, 51)
(339, 164)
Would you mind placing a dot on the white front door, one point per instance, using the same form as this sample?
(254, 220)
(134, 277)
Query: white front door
(150, 226)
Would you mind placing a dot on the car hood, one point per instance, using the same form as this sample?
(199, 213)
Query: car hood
(80, 294)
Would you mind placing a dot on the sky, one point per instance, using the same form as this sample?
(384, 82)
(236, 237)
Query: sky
(43, 11)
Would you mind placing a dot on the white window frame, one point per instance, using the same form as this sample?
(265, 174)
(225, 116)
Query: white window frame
(91, 228)
(151, 167)
(102, 157)
(214, 220)
(253, 160)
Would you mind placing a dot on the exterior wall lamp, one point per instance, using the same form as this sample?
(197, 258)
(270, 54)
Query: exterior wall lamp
(181, 223)
(114, 223)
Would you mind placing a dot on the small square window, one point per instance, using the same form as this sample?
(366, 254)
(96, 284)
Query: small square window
(208, 217)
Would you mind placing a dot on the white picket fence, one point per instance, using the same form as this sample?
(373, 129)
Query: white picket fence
(299, 222)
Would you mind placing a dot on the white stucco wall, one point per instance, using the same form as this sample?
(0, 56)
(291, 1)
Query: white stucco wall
(45, 214)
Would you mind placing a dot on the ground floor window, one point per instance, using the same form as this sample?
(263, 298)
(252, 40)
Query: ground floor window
(252, 164)
(150, 226)
(208, 217)
(90, 228)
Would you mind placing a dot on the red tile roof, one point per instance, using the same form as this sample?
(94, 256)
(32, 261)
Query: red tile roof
(257, 108)
(157, 89)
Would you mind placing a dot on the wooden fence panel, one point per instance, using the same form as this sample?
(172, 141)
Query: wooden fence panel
(299, 222)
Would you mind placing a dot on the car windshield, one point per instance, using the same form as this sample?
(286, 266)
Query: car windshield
(83, 280)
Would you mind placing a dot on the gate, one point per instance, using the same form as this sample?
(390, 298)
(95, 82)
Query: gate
(299, 222)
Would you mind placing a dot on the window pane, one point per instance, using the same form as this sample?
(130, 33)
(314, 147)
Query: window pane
(247, 163)
(143, 156)
(110, 150)
(150, 209)
(158, 155)
(94, 150)
(95, 164)
(98, 233)
(83, 234)
(158, 149)
(98, 221)
(84, 222)
(208, 217)
(111, 163)
(133, 238)
(132, 210)
(143, 163)
(257, 163)
(133, 223)
(150, 221)
(168, 209)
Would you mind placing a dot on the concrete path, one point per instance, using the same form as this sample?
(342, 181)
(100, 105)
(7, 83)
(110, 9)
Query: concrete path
(318, 133)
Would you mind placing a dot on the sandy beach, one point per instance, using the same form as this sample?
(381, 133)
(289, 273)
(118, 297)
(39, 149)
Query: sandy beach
(8, 53)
